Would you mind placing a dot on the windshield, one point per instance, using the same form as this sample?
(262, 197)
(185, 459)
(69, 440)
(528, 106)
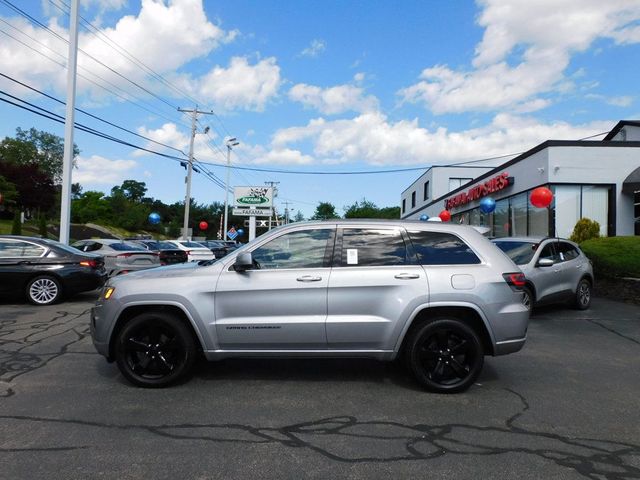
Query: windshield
(520, 252)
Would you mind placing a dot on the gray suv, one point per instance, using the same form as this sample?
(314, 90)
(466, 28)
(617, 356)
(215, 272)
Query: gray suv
(440, 296)
(555, 268)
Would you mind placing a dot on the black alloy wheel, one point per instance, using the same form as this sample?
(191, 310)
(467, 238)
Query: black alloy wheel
(155, 350)
(445, 355)
(583, 295)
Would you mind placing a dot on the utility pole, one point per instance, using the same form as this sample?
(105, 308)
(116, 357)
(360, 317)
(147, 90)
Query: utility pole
(231, 142)
(273, 185)
(69, 120)
(286, 212)
(187, 201)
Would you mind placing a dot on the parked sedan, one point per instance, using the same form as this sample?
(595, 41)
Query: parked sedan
(195, 251)
(45, 270)
(169, 253)
(556, 270)
(120, 257)
(217, 247)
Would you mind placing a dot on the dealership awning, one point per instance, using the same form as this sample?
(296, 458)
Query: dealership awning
(631, 184)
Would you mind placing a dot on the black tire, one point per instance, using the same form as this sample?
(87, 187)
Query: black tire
(445, 355)
(43, 290)
(583, 295)
(155, 350)
(527, 298)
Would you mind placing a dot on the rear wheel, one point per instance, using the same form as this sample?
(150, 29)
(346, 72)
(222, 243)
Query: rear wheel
(583, 295)
(527, 298)
(44, 290)
(445, 355)
(154, 350)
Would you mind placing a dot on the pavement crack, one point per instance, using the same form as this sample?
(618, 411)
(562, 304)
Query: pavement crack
(615, 332)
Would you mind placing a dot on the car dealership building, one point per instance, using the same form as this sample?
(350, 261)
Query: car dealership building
(599, 180)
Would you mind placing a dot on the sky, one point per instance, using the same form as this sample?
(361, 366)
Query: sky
(321, 87)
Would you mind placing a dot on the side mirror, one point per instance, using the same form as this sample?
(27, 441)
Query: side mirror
(243, 262)
(545, 262)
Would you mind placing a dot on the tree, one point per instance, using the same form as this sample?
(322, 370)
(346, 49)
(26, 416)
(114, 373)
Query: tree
(325, 211)
(91, 206)
(368, 209)
(35, 188)
(131, 189)
(7, 191)
(16, 226)
(299, 217)
(42, 226)
(49, 150)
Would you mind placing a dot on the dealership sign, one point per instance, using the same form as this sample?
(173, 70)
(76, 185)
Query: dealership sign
(495, 184)
(252, 197)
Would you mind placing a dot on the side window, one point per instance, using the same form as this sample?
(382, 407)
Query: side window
(91, 246)
(363, 247)
(567, 252)
(303, 249)
(439, 248)
(549, 252)
(19, 249)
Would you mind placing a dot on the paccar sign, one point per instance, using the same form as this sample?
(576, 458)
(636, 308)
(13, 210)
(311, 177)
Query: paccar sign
(495, 184)
(252, 197)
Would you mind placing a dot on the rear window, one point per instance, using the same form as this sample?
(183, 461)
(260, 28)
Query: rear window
(122, 247)
(520, 252)
(439, 248)
(192, 245)
(165, 245)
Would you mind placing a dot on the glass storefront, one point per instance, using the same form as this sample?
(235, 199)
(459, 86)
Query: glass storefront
(515, 216)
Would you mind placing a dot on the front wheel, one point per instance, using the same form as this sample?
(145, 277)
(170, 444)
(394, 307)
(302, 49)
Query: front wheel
(154, 350)
(445, 355)
(583, 295)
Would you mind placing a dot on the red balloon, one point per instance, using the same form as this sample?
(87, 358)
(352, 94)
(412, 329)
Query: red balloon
(541, 197)
(203, 225)
(445, 215)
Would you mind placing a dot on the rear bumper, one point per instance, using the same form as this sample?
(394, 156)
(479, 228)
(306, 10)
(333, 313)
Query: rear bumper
(509, 346)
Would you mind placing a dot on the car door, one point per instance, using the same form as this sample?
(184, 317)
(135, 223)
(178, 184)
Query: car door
(17, 260)
(280, 304)
(547, 280)
(374, 286)
(572, 265)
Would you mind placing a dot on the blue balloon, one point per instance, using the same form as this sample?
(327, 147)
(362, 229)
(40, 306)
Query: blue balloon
(154, 218)
(240, 231)
(487, 205)
(424, 218)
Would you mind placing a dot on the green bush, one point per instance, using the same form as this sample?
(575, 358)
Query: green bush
(42, 226)
(585, 229)
(16, 226)
(614, 256)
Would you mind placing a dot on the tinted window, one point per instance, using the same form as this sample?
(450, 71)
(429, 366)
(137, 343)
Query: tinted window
(367, 247)
(548, 252)
(520, 252)
(122, 247)
(566, 251)
(192, 245)
(17, 248)
(437, 248)
(165, 245)
(304, 249)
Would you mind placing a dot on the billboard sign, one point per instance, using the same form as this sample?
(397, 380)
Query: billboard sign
(253, 197)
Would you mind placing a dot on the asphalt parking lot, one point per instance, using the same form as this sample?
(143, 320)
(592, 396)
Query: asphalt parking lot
(564, 407)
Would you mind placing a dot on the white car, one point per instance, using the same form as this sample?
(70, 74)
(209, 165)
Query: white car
(195, 251)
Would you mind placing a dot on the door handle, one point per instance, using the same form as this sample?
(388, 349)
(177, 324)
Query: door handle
(308, 278)
(407, 276)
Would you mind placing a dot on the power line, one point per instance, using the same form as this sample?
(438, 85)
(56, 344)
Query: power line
(91, 115)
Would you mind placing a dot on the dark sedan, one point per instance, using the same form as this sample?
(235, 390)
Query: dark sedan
(45, 270)
(168, 253)
(220, 248)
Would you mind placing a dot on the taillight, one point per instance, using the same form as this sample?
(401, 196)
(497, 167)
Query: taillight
(515, 280)
(89, 263)
(188, 252)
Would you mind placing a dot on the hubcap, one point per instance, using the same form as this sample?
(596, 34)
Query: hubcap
(153, 352)
(447, 357)
(43, 290)
(584, 294)
(526, 300)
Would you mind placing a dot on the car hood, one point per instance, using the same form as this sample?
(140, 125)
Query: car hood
(169, 271)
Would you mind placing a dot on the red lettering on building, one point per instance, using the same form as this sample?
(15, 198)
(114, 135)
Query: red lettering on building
(495, 184)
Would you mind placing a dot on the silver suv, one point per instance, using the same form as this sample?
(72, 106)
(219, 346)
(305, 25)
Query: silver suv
(440, 296)
(556, 270)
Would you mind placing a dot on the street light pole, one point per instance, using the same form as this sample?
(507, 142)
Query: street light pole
(231, 142)
(67, 162)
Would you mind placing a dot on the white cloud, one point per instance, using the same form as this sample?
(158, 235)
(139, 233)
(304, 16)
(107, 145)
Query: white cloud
(98, 170)
(240, 86)
(313, 50)
(373, 139)
(621, 101)
(525, 50)
(333, 100)
(157, 36)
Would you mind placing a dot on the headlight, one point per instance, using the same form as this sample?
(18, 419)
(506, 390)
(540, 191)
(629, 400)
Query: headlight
(108, 292)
